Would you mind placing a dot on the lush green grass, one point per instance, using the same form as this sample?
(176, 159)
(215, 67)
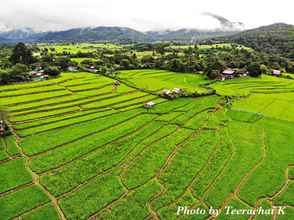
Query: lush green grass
(46, 212)
(42, 142)
(73, 150)
(93, 196)
(22, 201)
(285, 198)
(12, 174)
(97, 161)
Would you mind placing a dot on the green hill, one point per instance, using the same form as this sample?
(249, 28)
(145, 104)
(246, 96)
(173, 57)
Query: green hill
(275, 39)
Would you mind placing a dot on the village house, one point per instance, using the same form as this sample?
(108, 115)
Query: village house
(91, 69)
(72, 69)
(276, 72)
(228, 74)
(172, 94)
(38, 75)
(149, 105)
(241, 72)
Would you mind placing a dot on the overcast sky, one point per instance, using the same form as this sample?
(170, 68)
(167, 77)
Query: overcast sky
(141, 14)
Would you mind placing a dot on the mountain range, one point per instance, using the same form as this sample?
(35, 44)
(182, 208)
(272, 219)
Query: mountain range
(110, 34)
(276, 38)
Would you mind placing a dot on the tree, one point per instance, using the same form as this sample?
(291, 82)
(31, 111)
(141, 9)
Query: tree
(254, 69)
(21, 54)
(264, 69)
(63, 62)
(125, 63)
(4, 77)
(213, 74)
(52, 71)
(19, 69)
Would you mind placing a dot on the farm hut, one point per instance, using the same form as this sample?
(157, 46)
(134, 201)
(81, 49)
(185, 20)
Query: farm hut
(117, 83)
(177, 91)
(166, 92)
(228, 74)
(149, 105)
(276, 72)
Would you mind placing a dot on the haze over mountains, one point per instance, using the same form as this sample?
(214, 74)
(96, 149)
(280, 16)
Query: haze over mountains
(224, 27)
(112, 34)
(276, 38)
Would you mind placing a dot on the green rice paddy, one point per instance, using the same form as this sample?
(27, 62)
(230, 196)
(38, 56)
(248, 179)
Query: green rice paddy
(82, 148)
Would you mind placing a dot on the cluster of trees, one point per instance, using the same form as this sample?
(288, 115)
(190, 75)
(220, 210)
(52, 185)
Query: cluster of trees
(273, 39)
(16, 65)
(210, 61)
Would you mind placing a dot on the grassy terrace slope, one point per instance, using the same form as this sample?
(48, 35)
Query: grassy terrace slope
(83, 149)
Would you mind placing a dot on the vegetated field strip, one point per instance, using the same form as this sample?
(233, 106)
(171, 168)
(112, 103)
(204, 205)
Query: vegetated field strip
(9, 179)
(203, 142)
(42, 115)
(83, 47)
(274, 106)
(116, 100)
(122, 89)
(246, 86)
(52, 120)
(63, 123)
(291, 172)
(155, 80)
(79, 102)
(19, 202)
(45, 212)
(33, 98)
(60, 80)
(119, 159)
(100, 82)
(32, 91)
(98, 161)
(9, 145)
(44, 103)
(74, 150)
(42, 142)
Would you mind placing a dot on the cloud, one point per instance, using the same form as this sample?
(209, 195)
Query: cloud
(225, 23)
(143, 15)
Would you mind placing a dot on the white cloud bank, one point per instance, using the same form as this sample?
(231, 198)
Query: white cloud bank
(140, 14)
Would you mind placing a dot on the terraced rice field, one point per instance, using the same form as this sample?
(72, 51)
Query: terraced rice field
(84, 149)
(154, 81)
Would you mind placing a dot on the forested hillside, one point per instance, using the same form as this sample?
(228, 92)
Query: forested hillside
(276, 39)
